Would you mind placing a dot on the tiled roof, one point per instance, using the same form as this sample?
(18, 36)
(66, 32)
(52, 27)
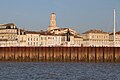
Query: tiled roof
(46, 33)
(95, 31)
(78, 36)
(118, 32)
(32, 32)
(115, 33)
(60, 29)
(38, 32)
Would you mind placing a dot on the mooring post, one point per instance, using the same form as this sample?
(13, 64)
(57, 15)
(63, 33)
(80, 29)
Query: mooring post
(40, 54)
(38, 49)
(37, 53)
(45, 54)
(70, 53)
(53, 54)
(2, 54)
(29, 54)
(114, 52)
(77, 53)
(88, 54)
(62, 54)
(20, 54)
(4, 50)
(103, 53)
(95, 54)
(13, 51)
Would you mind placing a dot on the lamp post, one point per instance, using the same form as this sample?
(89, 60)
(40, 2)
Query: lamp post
(114, 30)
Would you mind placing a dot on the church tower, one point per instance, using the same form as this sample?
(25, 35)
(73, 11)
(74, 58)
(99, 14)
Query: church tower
(52, 22)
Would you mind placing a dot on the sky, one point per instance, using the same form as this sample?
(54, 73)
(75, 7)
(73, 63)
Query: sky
(80, 15)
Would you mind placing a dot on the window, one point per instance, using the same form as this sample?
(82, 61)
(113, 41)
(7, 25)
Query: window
(28, 43)
(45, 38)
(28, 39)
(22, 38)
(36, 39)
(41, 38)
(36, 43)
(97, 36)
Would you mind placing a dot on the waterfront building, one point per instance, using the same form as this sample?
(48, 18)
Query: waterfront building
(21, 37)
(96, 38)
(32, 38)
(78, 41)
(117, 39)
(8, 34)
(63, 32)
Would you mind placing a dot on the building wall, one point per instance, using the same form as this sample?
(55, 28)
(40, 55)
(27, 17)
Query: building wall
(43, 40)
(78, 41)
(117, 40)
(50, 40)
(8, 37)
(12, 36)
(32, 39)
(96, 39)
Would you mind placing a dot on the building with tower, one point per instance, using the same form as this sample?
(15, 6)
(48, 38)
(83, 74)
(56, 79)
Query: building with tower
(54, 36)
(53, 29)
(11, 35)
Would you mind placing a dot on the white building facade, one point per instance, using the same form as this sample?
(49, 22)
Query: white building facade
(97, 38)
(117, 39)
(10, 35)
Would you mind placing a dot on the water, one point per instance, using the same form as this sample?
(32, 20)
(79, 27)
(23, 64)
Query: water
(59, 71)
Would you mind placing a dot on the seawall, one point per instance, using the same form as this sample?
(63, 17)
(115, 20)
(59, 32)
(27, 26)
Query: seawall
(60, 54)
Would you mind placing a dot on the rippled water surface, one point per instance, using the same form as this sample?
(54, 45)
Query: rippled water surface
(59, 71)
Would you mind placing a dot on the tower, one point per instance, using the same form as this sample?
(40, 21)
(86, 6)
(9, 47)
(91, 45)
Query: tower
(52, 22)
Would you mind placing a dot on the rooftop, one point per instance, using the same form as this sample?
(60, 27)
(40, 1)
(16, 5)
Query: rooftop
(9, 24)
(95, 31)
(115, 33)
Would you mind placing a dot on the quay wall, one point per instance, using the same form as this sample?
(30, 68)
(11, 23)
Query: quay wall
(60, 54)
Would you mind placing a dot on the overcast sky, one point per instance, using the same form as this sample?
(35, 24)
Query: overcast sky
(80, 15)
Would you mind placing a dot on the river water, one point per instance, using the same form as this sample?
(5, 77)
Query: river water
(59, 71)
